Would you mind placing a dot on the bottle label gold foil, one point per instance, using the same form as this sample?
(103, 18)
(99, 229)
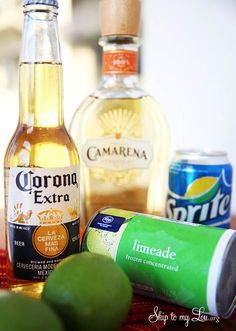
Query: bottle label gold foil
(117, 153)
(43, 219)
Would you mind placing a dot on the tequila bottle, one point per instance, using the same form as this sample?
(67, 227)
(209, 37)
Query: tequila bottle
(41, 161)
(120, 131)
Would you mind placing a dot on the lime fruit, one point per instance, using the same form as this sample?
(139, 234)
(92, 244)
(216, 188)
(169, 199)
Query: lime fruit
(21, 313)
(90, 292)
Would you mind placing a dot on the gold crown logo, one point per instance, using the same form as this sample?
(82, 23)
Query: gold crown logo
(51, 216)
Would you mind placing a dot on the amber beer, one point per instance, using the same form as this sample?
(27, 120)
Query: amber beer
(41, 162)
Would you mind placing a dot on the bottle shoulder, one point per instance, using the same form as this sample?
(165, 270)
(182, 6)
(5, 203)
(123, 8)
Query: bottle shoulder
(97, 116)
(102, 101)
(34, 146)
(119, 92)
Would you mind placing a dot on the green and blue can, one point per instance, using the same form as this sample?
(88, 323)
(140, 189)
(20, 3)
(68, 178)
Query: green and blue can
(188, 264)
(200, 185)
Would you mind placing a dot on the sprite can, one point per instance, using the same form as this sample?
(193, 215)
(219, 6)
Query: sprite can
(200, 185)
(188, 264)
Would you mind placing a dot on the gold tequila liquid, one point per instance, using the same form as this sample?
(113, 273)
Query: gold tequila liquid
(124, 145)
(120, 131)
(41, 171)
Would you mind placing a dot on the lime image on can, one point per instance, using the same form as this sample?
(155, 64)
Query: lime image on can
(188, 264)
(200, 185)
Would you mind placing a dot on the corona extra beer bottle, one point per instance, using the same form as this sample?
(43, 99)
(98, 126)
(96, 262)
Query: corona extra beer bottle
(41, 161)
(120, 131)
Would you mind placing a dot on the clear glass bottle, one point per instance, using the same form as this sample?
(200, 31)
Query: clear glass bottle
(41, 161)
(120, 131)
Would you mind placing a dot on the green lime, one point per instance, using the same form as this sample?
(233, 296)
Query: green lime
(90, 292)
(21, 313)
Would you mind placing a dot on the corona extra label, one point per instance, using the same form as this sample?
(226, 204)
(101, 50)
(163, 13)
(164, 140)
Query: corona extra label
(42, 219)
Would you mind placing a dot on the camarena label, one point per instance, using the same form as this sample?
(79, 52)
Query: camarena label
(174, 261)
(117, 153)
(43, 219)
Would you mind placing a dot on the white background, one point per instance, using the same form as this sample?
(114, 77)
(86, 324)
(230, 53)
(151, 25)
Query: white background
(189, 65)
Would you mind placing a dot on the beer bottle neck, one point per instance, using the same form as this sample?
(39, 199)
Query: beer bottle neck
(40, 69)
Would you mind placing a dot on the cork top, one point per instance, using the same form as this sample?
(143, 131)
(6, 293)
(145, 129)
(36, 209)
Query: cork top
(120, 17)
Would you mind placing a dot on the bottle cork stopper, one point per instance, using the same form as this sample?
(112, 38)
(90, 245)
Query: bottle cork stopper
(120, 17)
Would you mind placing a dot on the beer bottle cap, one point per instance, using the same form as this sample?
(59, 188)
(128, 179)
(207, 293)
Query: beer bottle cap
(41, 2)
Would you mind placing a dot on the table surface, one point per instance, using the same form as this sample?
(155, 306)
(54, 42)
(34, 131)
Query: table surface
(223, 325)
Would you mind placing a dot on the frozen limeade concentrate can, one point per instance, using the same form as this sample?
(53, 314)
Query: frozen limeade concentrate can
(189, 264)
(200, 185)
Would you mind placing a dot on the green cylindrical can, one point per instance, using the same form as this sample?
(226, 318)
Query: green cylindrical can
(187, 264)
